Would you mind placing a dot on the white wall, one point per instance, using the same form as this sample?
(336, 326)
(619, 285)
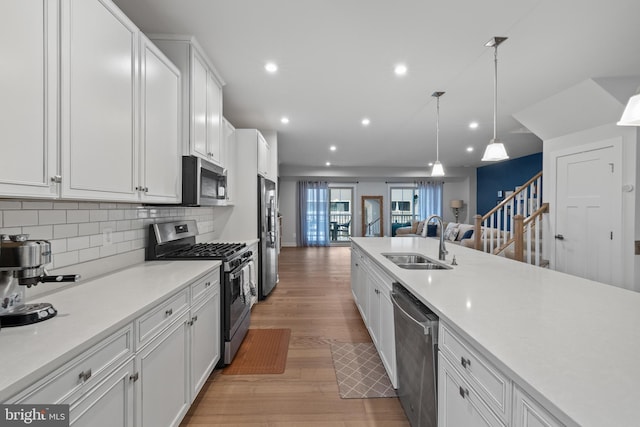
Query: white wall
(578, 142)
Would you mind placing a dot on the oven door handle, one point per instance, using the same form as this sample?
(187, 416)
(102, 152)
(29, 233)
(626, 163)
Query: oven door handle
(237, 272)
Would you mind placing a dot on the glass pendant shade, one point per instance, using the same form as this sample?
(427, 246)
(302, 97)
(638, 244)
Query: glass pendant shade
(495, 151)
(437, 170)
(631, 114)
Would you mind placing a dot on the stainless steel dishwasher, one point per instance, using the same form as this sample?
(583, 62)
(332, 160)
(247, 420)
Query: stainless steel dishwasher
(416, 329)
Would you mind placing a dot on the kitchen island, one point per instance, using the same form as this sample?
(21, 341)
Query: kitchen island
(572, 344)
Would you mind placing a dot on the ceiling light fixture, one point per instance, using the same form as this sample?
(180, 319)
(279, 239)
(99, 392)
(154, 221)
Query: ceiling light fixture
(365, 122)
(437, 170)
(473, 125)
(332, 148)
(495, 150)
(469, 149)
(271, 67)
(400, 70)
(631, 114)
(284, 120)
(328, 163)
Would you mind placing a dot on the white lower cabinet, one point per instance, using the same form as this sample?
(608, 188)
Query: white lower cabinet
(371, 290)
(205, 340)
(148, 378)
(162, 393)
(529, 413)
(458, 403)
(109, 404)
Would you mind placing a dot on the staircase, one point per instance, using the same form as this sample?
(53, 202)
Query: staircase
(514, 228)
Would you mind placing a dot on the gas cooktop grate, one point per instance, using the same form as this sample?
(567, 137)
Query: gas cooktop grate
(208, 250)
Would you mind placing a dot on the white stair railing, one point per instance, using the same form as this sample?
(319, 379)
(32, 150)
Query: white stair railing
(506, 225)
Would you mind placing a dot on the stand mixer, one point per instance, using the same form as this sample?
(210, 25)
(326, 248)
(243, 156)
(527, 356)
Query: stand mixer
(22, 264)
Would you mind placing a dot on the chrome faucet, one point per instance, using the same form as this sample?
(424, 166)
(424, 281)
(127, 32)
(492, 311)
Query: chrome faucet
(443, 250)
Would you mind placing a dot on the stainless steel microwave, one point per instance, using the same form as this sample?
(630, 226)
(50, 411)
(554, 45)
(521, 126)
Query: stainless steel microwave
(203, 183)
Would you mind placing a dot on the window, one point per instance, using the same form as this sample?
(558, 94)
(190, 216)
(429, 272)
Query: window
(403, 204)
(415, 202)
(340, 214)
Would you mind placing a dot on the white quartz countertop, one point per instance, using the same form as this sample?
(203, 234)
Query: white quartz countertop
(572, 343)
(87, 313)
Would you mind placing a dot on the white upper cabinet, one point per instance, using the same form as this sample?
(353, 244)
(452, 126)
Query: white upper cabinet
(99, 100)
(264, 157)
(230, 158)
(28, 107)
(202, 133)
(160, 150)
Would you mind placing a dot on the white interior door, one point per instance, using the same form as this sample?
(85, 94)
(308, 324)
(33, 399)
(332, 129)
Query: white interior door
(588, 214)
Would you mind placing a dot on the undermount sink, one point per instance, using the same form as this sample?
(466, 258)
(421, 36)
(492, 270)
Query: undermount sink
(413, 261)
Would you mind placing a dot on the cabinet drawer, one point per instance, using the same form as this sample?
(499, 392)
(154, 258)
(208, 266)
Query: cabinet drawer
(491, 384)
(458, 402)
(161, 316)
(69, 382)
(205, 285)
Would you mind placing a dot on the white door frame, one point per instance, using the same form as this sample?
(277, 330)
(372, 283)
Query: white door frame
(550, 179)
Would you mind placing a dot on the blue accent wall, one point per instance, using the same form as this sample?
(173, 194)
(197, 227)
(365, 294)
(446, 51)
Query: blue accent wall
(504, 176)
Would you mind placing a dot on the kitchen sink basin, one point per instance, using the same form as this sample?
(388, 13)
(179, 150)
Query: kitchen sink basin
(413, 261)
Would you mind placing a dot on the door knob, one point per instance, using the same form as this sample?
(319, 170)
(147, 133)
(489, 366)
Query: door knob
(559, 237)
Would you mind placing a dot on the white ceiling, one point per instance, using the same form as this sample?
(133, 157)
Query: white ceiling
(336, 61)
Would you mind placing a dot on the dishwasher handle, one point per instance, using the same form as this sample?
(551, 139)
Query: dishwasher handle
(423, 325)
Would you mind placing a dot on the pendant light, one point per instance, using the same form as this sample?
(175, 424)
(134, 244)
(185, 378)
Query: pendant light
(495, 150)
(631, 114)
(437, 170)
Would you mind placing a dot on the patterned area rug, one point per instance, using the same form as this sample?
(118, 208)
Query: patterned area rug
(360, 372)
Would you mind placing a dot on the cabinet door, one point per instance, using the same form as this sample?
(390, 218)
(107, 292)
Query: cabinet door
(28, 110)
(230, 153)
(458, 403)
(160, 133)
(110, 404)
(263, 156)
(373, 310)
(162, 394)
(214, 119)
(529, 413)
(198, 105)
(205, 340)
(387, 338)
(99, 100)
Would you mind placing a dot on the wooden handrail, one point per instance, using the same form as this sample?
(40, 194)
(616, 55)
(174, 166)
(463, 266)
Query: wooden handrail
(543, 209)
(511, 197)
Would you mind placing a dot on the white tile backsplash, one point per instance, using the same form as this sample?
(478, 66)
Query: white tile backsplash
(75, 229)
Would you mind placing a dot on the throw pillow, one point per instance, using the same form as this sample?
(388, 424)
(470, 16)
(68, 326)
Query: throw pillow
(467, 234)
(453, 234)
(420, 228)
(463, 228)
(450, 227)
(414, 227)
(432, 230)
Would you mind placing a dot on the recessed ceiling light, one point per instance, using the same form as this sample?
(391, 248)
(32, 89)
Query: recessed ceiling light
(328, 163)
(473, 125)
(469, 149)
(430, 164)
(271, 67)
(285, 120)
(365, 122)
(332, 148)
(400, 70)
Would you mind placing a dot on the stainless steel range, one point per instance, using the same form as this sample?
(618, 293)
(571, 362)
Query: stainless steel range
(177, 241)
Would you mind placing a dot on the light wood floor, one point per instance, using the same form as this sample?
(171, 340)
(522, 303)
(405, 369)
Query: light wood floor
(313, 299)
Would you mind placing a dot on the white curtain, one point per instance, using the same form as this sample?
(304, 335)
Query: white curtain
(429, 198)
(313, 211)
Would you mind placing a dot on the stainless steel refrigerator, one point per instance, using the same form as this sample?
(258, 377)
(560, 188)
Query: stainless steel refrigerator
(267, 231)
